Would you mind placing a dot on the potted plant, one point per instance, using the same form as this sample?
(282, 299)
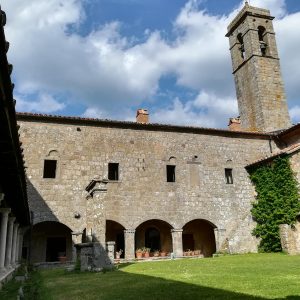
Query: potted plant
(163, 253)
(119, 253)
(146, 252)
(156, 253)
(197, 252)
(139, 253)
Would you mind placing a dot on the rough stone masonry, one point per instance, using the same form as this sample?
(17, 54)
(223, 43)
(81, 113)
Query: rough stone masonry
(168, 188)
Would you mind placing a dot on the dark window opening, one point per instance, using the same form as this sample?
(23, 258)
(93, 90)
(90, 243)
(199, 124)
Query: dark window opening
(170, 173)
(262, 43)
(241, 47)
(228, 176)
(113, 171)
(49, 168)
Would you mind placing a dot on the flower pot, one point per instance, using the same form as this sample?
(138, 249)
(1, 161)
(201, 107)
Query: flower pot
(62, 259)
(139, 254)
(163, 253)
(146, 254)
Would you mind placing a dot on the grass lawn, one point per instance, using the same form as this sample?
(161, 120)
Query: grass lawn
(253, 276)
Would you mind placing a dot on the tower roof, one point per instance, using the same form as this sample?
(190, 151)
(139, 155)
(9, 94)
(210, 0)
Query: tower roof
(248, 10)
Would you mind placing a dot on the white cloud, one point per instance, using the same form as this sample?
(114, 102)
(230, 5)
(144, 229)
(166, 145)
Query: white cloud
(295, 114)
(105, 71)
(45, 104)
(277, 7)
(205, 110)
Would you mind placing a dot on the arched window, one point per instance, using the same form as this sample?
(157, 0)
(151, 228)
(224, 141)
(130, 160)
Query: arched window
(241, 47)
(262, 42)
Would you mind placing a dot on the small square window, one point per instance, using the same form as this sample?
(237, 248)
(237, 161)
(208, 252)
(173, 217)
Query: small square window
(228, 176)
(113, 171)
(49, 168)
(171, 173)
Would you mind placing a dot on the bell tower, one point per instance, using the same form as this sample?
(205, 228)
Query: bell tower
(256, 69)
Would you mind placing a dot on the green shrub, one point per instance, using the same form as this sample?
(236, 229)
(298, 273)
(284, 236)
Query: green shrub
(277, 201)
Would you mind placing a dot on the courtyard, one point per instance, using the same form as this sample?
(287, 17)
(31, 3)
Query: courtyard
(249, 276)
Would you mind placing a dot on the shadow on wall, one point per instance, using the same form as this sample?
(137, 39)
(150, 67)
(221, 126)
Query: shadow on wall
(49, 240)
(40, 209)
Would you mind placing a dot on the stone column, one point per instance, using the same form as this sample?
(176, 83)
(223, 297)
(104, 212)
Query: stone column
(3, 236)
(20, 245)
(14, 244)
(129, 243)
(76, 239)
(111, 250)
(177, 242)
(221, 244)
(9, 242)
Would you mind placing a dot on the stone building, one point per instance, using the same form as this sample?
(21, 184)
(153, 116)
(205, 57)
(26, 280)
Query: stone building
(14, 212)
(166, 187)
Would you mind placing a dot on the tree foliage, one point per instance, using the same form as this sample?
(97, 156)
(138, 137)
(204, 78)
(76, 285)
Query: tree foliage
(277, 201)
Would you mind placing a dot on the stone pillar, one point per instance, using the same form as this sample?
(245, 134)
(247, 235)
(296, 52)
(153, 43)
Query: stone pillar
(19, 256)
(129, 243)
(221, 242)
(177, 242)
(286, 242)
(9, 242)
(76, 239)
(3, 236)
(111, 250)
(14, 244)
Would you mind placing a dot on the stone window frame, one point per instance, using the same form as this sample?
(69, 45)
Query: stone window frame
(53, 154)
(229, 176)
(119, 173)
(171, 162)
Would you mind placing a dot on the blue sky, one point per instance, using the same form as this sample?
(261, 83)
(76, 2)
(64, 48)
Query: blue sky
(106, 58)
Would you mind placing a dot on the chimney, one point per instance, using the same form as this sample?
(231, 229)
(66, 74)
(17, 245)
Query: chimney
(235, 124)
(142, 116)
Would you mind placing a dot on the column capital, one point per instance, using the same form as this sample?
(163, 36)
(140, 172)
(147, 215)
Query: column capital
(176, 230)
(5, 210)
(130, 231)
(110, 243)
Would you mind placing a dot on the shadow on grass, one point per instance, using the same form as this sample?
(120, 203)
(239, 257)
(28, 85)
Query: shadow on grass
(121, 285)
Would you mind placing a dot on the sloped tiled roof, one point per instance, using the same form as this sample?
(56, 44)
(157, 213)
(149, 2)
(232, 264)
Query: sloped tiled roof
(288, 150)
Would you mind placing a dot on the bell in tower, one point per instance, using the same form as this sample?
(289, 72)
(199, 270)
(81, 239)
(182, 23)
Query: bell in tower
(256, 69)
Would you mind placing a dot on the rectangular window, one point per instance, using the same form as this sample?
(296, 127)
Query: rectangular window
(170, 173)
(113, 171)
(228, 176)
(49, 168)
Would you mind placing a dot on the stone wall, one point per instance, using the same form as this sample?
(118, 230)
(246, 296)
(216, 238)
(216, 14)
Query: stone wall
(295, 164)
(290, 238)
(142, 193)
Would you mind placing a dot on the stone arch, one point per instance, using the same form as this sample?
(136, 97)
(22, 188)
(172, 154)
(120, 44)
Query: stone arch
(50, 241)
(198, 234)
(145, 237)
(155, 217)
(115, 233)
